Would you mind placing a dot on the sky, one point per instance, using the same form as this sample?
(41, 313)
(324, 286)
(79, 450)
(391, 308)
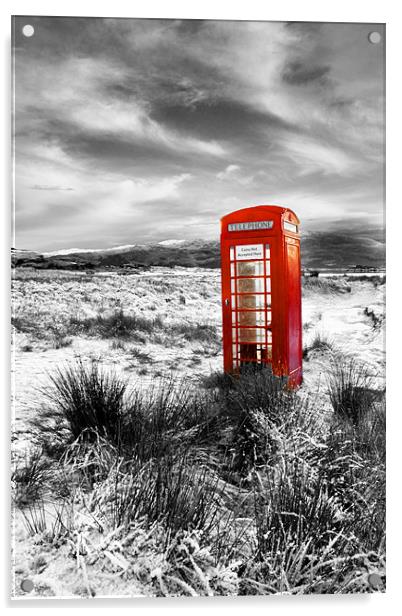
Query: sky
(131, 131)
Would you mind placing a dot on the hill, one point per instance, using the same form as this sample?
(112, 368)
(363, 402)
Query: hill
(322, 250)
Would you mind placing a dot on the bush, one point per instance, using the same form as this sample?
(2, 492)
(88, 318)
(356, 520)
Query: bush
(198, 332)
(169, 417)
(320, 343)
(179, 492)
(29, 477)
(350, 390)
(219, 380)
(256, 403)
(329, 286)
(375, 318)
(91, 400)
(116, 325)
(354, 465)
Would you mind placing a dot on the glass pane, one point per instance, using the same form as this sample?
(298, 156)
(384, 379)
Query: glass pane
(267, 251)
(232, 254)
(269, 316)
(268, 284)
(250, 302)
(234, 350)
(251, 335)
(268, 301)
(233, 317)
(233, 286)
(251, 318)
(269, 337)
(247, 268)
(233, 302)
(268, 268)
(250, 285)
(232, 269)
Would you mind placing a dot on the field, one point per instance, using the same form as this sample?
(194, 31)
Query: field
(138, 469)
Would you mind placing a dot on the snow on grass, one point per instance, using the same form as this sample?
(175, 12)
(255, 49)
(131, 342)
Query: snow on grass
(171, 326)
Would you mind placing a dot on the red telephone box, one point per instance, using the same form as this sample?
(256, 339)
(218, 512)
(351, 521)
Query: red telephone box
(261, 291)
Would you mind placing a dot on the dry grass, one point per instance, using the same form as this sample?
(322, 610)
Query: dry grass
(326, 286)
(215, 486)
(232, 489)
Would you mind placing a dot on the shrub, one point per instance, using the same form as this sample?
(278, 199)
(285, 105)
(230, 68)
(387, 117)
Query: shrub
(168, 417)
(350, 390)
(53, 524)
(91, 400)
(255, 404)
(116, 325)
(27, 348)
(329, 286)
(198, 332)
(179, 492)
(218, 380)
(117, 345)
(375, 318)
(320, 343)
(354, 465)
(142, 356)
(29, 477)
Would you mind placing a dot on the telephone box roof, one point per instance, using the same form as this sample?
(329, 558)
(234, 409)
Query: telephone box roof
(259, 212)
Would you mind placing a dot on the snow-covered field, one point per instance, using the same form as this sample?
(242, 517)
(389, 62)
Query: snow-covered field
(348, 313)
(47, 300)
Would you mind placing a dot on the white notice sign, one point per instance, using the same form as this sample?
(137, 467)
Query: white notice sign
(246, 252)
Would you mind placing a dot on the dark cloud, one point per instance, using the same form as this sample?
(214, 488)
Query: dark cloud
(231, 120)
(297, 74)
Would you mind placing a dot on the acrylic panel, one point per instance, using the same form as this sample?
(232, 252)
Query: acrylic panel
(139, 467)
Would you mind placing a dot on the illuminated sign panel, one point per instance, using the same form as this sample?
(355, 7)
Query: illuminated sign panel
(249, 252)
(289, 226)
(251, 226)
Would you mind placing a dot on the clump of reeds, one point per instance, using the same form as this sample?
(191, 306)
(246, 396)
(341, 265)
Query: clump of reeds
(90, 399)
(350, 388)
(321, 343)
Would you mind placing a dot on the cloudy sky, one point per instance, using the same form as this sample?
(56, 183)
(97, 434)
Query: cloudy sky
(133, 131)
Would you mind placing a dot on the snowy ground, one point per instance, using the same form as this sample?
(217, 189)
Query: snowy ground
(350, 317)
(47, 299)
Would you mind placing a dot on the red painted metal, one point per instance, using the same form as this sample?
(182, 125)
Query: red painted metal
(261, 291)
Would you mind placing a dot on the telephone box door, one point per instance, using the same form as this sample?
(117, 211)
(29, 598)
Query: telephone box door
(248, 307)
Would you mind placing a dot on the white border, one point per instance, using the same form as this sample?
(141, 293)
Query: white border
(307, 10)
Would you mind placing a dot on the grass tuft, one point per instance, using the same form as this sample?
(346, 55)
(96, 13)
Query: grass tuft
(320, 343)
(350, 389)
(91, 400)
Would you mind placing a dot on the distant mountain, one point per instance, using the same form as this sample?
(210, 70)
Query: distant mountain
(344, 248)
(331, 249)
(196, 253)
